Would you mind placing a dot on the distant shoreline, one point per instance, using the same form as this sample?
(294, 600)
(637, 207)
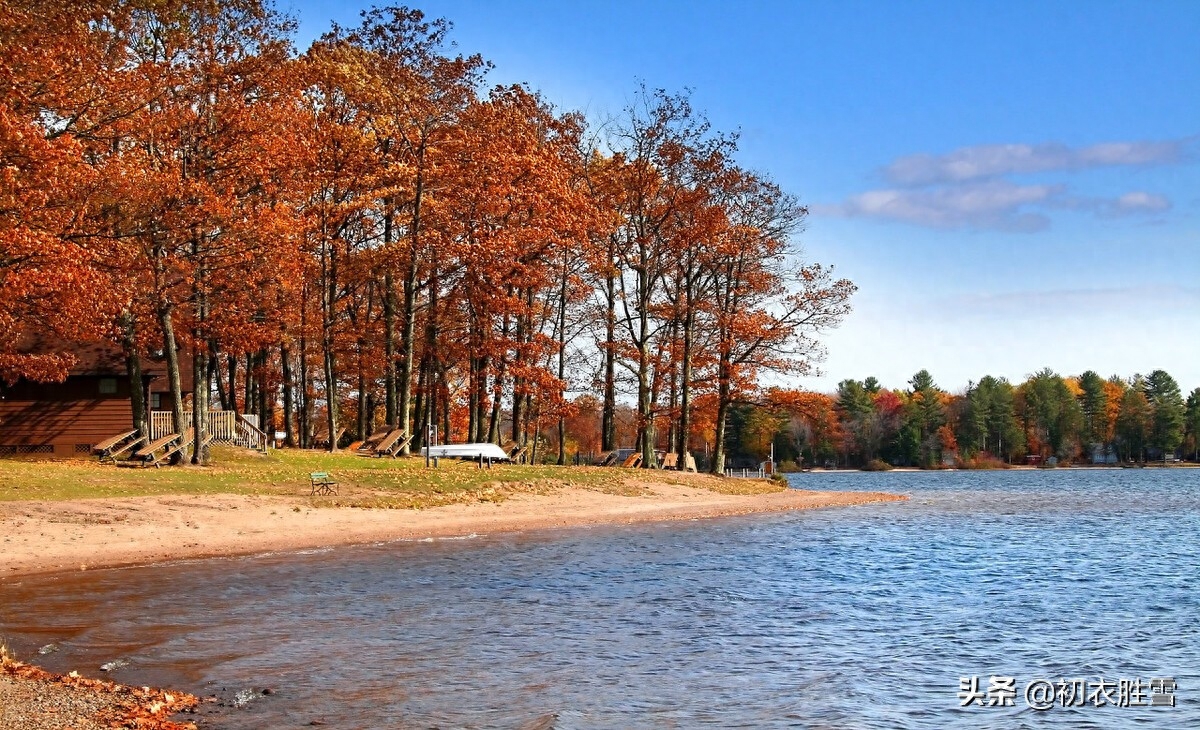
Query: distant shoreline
(54, 536)
(1013, 467)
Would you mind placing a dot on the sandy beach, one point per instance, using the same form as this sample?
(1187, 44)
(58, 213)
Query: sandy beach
(41, 537)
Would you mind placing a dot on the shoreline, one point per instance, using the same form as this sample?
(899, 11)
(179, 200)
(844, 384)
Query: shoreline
(1011, 467)
(58, 536)
(34, 699)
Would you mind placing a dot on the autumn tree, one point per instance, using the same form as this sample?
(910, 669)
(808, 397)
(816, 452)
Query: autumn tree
(889, 410)
(414, 97)
(767, 307)
(56, 94)
(519, 214)
(1114, 395)
(339, 178)
(362, 221)
(658, 141)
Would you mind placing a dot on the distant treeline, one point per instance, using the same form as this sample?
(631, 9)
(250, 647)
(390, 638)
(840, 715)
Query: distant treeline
(1080, 419)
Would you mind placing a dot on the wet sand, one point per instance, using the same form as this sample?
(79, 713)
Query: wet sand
(41, 537)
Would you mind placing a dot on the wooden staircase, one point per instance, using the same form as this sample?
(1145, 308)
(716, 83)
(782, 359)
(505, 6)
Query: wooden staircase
(225, 427)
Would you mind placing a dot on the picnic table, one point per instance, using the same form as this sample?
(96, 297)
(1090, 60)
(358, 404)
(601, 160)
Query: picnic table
(393, 444)
(156, 452)
(110, 448)
(368, 446)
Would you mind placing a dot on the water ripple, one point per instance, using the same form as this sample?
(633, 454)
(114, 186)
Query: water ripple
(860, 618)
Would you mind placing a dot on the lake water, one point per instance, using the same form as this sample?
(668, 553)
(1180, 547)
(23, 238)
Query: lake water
(864, 617)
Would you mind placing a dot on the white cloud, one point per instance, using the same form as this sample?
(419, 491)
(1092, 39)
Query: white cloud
(990, 161)
(1139, 202)
(1132, 203)
(994, 204)
(968, 188)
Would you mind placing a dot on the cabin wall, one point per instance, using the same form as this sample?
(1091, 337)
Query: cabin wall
(63, 419)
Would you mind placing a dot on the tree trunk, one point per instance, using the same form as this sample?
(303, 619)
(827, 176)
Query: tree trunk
(498, 385)
(305, 415)
(723, 403)
(331, 404)
(233, 368)
(248, 398)
(266, 401)
(200, 451)
(289, 432)
(493, 435)
(389, 339)
(214, 375)
(518, 398)
(444, 387)
(200, 390)
(430, 357)
(562, 364)
(408, 352)
(673, 386)
(133, 368)
(421, 415)
(646, 432)
(409, 345)
(474, 392)
(685, 391)
(328, 316)
(608, 426)
(361, 423)
(172, 356)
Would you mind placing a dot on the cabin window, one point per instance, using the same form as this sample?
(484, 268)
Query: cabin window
(155, 401)
(108, 386)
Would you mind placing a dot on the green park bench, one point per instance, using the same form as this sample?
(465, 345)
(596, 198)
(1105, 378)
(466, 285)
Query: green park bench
(322, 483)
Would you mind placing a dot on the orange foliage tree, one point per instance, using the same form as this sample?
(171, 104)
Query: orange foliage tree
(362, 235)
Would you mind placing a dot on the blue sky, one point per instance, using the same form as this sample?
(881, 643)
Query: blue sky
(1012, 185)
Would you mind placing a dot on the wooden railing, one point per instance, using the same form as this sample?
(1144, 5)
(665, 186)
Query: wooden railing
(163, 423)
(252, 436)
(224, 427)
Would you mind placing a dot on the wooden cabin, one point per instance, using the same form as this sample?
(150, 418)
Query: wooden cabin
(66, 419)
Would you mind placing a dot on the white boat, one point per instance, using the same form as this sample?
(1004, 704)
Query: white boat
(466, 451)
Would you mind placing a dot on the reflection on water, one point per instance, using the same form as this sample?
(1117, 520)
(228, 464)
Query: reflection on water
(863, 617)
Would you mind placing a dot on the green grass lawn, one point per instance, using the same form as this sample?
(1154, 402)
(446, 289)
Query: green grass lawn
(363, 481)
